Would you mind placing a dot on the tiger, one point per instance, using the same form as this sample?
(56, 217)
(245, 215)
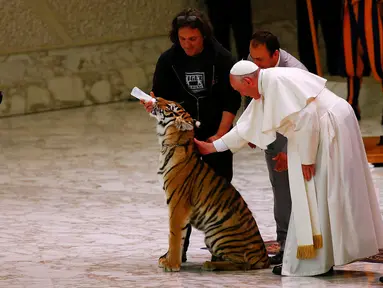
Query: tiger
(195, 194)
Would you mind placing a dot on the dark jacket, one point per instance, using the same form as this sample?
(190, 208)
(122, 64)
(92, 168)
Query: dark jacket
(200, 84)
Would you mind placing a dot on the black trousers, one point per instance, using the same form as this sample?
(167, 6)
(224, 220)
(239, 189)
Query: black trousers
(222, 163)
(236, 14)
(327, 13)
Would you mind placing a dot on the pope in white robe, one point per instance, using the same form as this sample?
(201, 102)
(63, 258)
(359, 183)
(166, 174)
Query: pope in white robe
(335, 217)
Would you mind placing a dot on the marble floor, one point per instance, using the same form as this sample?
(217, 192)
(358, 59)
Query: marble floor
(81, 206)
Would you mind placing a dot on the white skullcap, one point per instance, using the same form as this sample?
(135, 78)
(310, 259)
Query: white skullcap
(243, 67)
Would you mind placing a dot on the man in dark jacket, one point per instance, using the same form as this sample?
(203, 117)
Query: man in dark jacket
(195, 73)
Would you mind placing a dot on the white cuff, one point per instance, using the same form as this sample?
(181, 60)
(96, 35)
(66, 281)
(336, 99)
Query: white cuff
(233, 141)
(220, 146)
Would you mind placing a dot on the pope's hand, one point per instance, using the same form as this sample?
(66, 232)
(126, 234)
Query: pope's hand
(204, 147)
(308, 171)
(148, 105)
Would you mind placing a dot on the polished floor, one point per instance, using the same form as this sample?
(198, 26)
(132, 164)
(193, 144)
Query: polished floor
(81, 206)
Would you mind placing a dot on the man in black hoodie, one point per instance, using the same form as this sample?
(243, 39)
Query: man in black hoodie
(195, 73)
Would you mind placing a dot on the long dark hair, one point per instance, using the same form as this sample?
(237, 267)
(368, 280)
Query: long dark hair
(192, 18)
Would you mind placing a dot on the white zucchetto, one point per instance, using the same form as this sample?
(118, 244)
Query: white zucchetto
(243, 67)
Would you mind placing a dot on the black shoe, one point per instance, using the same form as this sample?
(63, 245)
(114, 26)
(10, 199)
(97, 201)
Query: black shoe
(277, 259)
(277, 270)
(184, 258)
(216, 258)
(381, 279)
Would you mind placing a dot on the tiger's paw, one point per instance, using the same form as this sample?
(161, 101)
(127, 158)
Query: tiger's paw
(168, 267)
(208, 266)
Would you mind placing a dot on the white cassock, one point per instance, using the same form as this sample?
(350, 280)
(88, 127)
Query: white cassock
(339, 205)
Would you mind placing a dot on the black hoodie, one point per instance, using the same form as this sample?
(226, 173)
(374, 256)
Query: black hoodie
(201, 84)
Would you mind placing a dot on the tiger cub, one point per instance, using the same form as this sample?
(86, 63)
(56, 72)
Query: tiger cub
(196, 195)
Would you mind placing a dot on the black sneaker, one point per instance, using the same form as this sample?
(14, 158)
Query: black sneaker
(277, 270)
(277, 259)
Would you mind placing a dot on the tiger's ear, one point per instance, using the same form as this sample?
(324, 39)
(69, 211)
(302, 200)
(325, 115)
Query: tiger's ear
(182, 125)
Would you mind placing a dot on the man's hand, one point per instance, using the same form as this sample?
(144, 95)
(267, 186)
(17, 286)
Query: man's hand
(204, 147)
(148, 105)
(281, 164)
(251, 145)
(308, 171)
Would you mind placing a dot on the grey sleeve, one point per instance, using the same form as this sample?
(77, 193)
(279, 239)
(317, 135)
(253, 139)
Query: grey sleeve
(299, 64)
(290, 61)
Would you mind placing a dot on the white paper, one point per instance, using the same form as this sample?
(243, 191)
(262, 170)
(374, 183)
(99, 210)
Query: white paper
(139, 94)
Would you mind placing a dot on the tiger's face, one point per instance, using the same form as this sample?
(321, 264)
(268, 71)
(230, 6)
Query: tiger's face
(170, 113)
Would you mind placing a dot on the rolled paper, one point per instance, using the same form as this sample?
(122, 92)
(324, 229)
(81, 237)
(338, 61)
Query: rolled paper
(139, 94)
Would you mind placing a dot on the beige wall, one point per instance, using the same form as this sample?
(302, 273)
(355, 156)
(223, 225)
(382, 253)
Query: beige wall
(30, 25)
(67, 53)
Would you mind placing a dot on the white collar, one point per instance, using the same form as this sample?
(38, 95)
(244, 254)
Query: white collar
(279, 58)
(260, 88)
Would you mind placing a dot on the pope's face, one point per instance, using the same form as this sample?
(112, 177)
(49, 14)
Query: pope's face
(237, 85)
(245, 87)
